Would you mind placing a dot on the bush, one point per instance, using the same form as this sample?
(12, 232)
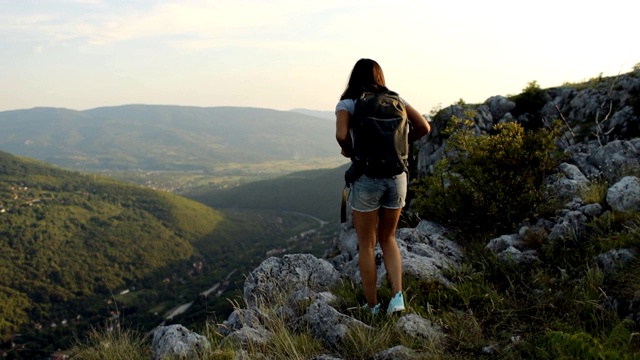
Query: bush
(584, 346)
(488, 183)
(528, 105)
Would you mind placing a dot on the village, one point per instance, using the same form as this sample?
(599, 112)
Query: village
(17, 196)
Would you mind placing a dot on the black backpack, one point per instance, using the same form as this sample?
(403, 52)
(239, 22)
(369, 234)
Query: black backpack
(380, 134)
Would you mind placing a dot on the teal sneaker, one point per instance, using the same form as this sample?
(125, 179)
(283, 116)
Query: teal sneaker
(396, 304)
(374, 310)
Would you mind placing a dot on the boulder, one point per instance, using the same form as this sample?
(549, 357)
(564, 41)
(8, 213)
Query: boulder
(329, 325)
(625, 194)
(615, 259)
(238, 319)
(400, 352)
(515, 256)
(591, 210)
(276, 277)
(416, 327)
(248, 337)
(512, 248)
(177, 342)
(570, 182)
(425, 251)
(570, 223)
(499, 106)
(609, 160)
(503, 242)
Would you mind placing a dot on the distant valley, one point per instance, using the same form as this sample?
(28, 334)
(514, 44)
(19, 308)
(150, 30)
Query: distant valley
(167, 138)
(74, 235)
(70, 241)
(314, 192)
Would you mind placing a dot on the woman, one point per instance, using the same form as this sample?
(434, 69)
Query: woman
(376, 202)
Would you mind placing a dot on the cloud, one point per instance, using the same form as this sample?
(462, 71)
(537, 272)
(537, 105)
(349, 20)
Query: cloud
(190, 24)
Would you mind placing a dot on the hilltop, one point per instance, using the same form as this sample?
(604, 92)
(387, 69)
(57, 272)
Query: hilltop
(164, 137)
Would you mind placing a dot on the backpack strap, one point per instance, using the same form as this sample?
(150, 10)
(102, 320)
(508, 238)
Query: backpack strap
(343, 208)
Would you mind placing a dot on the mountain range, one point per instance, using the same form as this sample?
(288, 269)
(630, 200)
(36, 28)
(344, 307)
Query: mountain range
(163, 137)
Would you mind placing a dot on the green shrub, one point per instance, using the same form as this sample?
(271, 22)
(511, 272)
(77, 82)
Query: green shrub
(584, 346)
(529, 103)
(488, 183)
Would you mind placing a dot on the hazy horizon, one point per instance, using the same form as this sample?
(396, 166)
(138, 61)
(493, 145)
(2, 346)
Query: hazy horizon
(284, 54)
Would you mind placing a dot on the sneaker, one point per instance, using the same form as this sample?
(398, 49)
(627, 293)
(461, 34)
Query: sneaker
(374, 310)
(396, 304)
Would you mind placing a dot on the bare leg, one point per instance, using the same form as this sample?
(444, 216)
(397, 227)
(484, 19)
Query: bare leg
(390, 251)
(365, 224)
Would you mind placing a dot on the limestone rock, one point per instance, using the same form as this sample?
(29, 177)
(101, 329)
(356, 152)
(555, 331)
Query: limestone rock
(615, 259)
(329, 324)
(415, 326)
(238, 319)
(400, 352)
(569, 224)
(177, 342)
(248, 336)
(625, 194)
(277, 277)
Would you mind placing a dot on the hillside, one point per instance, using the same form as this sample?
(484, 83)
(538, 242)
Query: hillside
(155, 137)
(329, 115)
(313, 192)
(68, 235)
(69, 241)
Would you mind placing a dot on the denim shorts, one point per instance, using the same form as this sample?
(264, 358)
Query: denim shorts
(368, 194)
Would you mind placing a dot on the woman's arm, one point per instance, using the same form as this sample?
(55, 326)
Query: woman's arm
(342, 132)
(420, 125)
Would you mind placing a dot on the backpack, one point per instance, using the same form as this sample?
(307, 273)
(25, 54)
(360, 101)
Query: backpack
(380, 134)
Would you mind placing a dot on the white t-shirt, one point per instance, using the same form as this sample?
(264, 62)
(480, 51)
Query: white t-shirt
(350, 105)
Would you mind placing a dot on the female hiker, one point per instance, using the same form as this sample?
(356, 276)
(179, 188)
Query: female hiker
(378, 192)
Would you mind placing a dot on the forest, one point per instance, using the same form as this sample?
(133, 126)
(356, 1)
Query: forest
(74, 244)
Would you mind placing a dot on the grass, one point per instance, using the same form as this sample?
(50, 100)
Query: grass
(287, 341)
(103, 344)
(595, 192)
(557, 308)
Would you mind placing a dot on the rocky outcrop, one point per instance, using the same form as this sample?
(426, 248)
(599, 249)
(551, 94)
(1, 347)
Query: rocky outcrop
(303, 283)
(425, 251)
(567, 183)
(600, 140)
(593, 116)
(608, 161)
(297, 289)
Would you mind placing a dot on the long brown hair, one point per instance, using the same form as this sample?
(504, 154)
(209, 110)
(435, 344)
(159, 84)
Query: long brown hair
(366, 73)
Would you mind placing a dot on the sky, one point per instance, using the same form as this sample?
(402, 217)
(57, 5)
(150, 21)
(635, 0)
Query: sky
(286, 54)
